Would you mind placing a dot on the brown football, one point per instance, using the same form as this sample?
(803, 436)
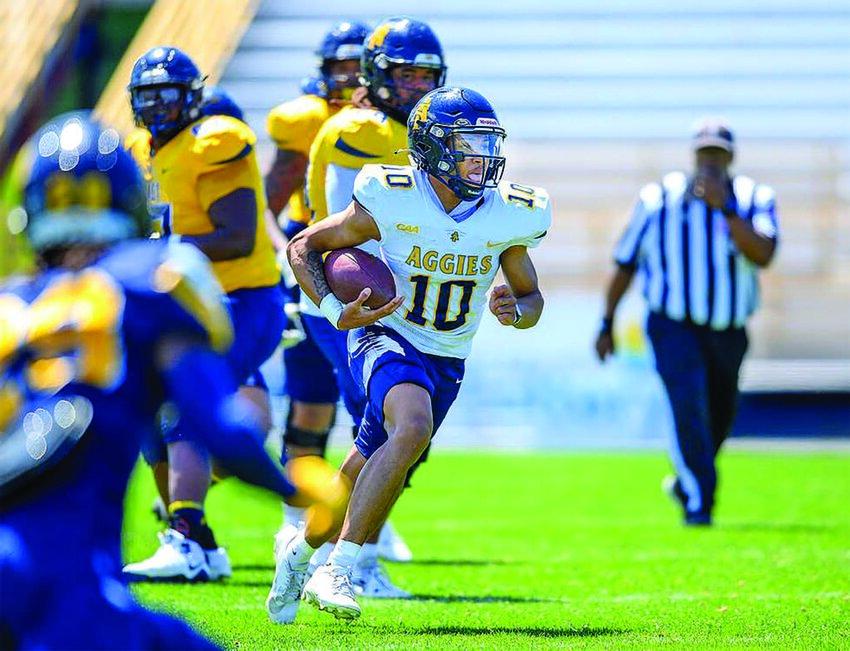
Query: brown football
(349, 271)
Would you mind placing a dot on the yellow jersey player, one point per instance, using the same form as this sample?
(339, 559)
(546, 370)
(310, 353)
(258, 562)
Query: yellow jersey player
(402, 60)
(207, 169)
(294, 124)
(309, 379)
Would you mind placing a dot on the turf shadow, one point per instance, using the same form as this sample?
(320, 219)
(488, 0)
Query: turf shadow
(467, 599)
(256, 567)
(785, 527)
(456, 562)
(534, 631)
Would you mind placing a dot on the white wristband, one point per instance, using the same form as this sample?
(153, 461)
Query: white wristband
(332, 308)
(518, 316)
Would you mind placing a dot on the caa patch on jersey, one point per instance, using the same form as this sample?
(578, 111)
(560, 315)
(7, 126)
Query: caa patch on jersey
(350, 271)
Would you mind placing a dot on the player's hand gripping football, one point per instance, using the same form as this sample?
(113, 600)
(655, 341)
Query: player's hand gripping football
(357, 315)
(503, 305)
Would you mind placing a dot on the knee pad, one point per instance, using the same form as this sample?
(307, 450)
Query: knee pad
(304, 438)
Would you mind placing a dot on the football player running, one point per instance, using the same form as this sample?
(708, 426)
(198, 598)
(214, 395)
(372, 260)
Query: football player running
(461, 224)
(402, 60)
(112, 325)
(309, 381)
(206, 169)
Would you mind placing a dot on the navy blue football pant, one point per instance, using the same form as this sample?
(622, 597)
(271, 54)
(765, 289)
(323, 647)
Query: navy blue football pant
(699, 368)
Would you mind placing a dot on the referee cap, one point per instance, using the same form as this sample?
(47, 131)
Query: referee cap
(713, 132)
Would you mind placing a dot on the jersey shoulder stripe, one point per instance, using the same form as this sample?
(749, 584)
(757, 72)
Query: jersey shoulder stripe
(345, 148)
(221, 139)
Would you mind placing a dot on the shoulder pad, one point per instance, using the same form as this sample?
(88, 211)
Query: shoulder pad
(222, 139)
(744, 186)
(675, 182)
(304, 114)
(524, 196)
(186, 275)
(765, 194)
(650, 194)
(368, 183)
(531, 212)
(361, 133)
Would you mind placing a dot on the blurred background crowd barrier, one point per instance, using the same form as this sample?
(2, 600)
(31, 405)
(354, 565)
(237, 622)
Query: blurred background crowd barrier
(598, 98)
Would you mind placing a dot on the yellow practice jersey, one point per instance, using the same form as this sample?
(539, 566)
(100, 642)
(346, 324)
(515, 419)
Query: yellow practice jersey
(138, 144)
(206, 161)
(352, 138)
(293, 126)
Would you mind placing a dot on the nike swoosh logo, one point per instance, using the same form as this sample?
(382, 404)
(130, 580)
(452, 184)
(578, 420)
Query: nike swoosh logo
(492, 244)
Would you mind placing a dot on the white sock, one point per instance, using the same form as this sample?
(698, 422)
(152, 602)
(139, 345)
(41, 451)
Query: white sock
(368, 555)
(344, 554)
(322, 554)
(299, 551)
(293, 515)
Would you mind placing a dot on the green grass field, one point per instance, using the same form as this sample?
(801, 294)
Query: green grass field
(559, 550)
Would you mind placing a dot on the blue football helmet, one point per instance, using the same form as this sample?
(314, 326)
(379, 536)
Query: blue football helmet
(83, 187)
(217, 102)
(455, 125)
(395, 42)
(165, 92)
(343, 42)
(313, 85)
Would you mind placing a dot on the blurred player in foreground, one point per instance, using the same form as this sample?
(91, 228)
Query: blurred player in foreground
(402, 60)
(110, 327)
(460, 226)
(206, 170)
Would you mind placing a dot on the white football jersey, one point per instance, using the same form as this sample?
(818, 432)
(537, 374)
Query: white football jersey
(444, 268)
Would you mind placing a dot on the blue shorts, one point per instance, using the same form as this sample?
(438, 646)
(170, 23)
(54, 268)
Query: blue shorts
(381, 359)
(308, 375)
(258, 322)
(332, 343)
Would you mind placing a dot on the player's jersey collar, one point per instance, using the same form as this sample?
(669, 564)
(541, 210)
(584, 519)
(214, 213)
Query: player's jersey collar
(464, 210)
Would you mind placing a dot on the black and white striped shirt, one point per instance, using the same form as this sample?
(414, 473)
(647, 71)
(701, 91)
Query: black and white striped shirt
(692, 271)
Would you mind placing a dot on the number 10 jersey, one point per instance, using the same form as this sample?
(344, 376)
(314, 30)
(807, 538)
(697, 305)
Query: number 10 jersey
(443, 268)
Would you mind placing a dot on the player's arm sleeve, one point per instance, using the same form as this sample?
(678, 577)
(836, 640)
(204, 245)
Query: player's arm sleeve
(628, 247)
(220, 182)
(537, 222)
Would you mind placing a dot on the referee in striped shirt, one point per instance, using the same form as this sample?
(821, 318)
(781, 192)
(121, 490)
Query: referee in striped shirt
(698, 242)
